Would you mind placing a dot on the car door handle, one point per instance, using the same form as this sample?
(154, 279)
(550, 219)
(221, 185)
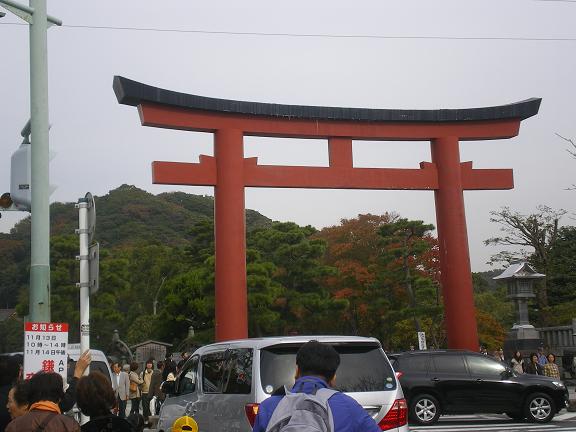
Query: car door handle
(435, 379)
(479, 380)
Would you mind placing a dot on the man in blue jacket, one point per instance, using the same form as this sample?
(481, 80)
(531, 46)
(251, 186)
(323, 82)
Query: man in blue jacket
(316, 365)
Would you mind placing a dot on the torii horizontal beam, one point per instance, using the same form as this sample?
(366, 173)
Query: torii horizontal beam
(280, 176)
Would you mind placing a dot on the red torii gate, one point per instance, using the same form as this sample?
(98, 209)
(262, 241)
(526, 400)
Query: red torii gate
(229, 172)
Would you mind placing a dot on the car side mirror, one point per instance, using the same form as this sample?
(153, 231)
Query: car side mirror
(168, 388)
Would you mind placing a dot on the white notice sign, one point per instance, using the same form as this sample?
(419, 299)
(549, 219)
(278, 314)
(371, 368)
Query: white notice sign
(45, 348)
(422, 340)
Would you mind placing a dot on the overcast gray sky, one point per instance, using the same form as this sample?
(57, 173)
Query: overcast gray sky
(423, 55)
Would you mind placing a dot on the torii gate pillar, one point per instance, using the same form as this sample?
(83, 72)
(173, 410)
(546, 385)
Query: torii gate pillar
(453, 241)
(230, 173)
(230, 236)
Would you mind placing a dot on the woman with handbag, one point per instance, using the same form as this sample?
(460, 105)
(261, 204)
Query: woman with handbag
(135, 393)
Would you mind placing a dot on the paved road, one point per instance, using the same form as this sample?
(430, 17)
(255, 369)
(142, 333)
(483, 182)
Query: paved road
(565, 421)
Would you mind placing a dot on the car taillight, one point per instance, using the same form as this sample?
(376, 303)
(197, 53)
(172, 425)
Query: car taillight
(399, 374)
(397, 415)
(251, 411)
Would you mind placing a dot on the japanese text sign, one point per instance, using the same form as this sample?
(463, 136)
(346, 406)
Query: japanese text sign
(45, 348)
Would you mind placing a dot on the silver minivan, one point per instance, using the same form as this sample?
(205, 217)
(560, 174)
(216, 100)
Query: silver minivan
(222, 384)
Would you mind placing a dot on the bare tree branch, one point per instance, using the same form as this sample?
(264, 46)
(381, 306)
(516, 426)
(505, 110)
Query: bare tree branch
(571, 152)
(538, 231)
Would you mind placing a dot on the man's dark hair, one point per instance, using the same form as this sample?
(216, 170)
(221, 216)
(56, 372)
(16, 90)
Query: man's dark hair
(94, 394)
(136, 420)
(317, 358)
(45, 386)
(134, 366)
(169, 367)
(20, 394)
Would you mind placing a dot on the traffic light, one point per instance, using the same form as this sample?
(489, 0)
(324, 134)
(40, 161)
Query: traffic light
(21, 180)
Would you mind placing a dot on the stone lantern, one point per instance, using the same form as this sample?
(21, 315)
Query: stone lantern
(520, 278)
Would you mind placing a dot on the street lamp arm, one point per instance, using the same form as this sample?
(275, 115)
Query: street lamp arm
(26, 12)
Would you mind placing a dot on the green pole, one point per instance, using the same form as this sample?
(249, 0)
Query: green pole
(40, 239)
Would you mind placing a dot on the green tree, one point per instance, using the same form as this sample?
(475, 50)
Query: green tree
(405, 243)
(201, 245)
(188, 301)
(11, 335)
(264, 311)
(14, 275)
(562, 270)
(64, 274)
(562, 278)
(299, 269)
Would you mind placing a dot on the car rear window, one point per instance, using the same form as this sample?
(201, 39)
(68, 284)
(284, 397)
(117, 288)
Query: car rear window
(363, 368)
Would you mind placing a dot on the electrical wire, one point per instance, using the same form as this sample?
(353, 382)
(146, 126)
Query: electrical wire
(324, 35)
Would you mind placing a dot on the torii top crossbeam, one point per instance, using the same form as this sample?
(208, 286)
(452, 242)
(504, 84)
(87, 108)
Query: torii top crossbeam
(229, 172)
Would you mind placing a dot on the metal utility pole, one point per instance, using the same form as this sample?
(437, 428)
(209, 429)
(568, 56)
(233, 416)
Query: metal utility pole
(36, 15)
(83, 232)
(40, 259)
(89, 261)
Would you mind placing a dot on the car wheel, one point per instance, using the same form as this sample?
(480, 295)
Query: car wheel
(424, 410)
(539, 408)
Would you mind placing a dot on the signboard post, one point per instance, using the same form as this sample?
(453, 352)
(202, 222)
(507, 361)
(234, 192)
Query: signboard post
(422, 341)
(45, 348)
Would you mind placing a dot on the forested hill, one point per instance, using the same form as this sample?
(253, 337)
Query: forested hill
(128, 215)
(125, 217)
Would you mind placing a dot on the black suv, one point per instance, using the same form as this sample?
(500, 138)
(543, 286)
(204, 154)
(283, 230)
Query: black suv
(464, 382)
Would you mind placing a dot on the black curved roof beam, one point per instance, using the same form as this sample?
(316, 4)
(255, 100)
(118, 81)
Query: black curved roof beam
(129, 92)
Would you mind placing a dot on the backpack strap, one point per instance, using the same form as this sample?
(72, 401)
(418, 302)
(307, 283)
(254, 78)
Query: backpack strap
(47, 420)
(324, 394)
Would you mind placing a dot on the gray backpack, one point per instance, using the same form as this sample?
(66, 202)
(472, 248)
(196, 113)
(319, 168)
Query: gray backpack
(303, 412)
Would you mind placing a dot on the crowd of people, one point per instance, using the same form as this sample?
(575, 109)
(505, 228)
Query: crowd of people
(537, 363)
(39, 403)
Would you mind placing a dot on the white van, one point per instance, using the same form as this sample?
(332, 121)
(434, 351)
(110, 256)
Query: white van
(222, 384)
